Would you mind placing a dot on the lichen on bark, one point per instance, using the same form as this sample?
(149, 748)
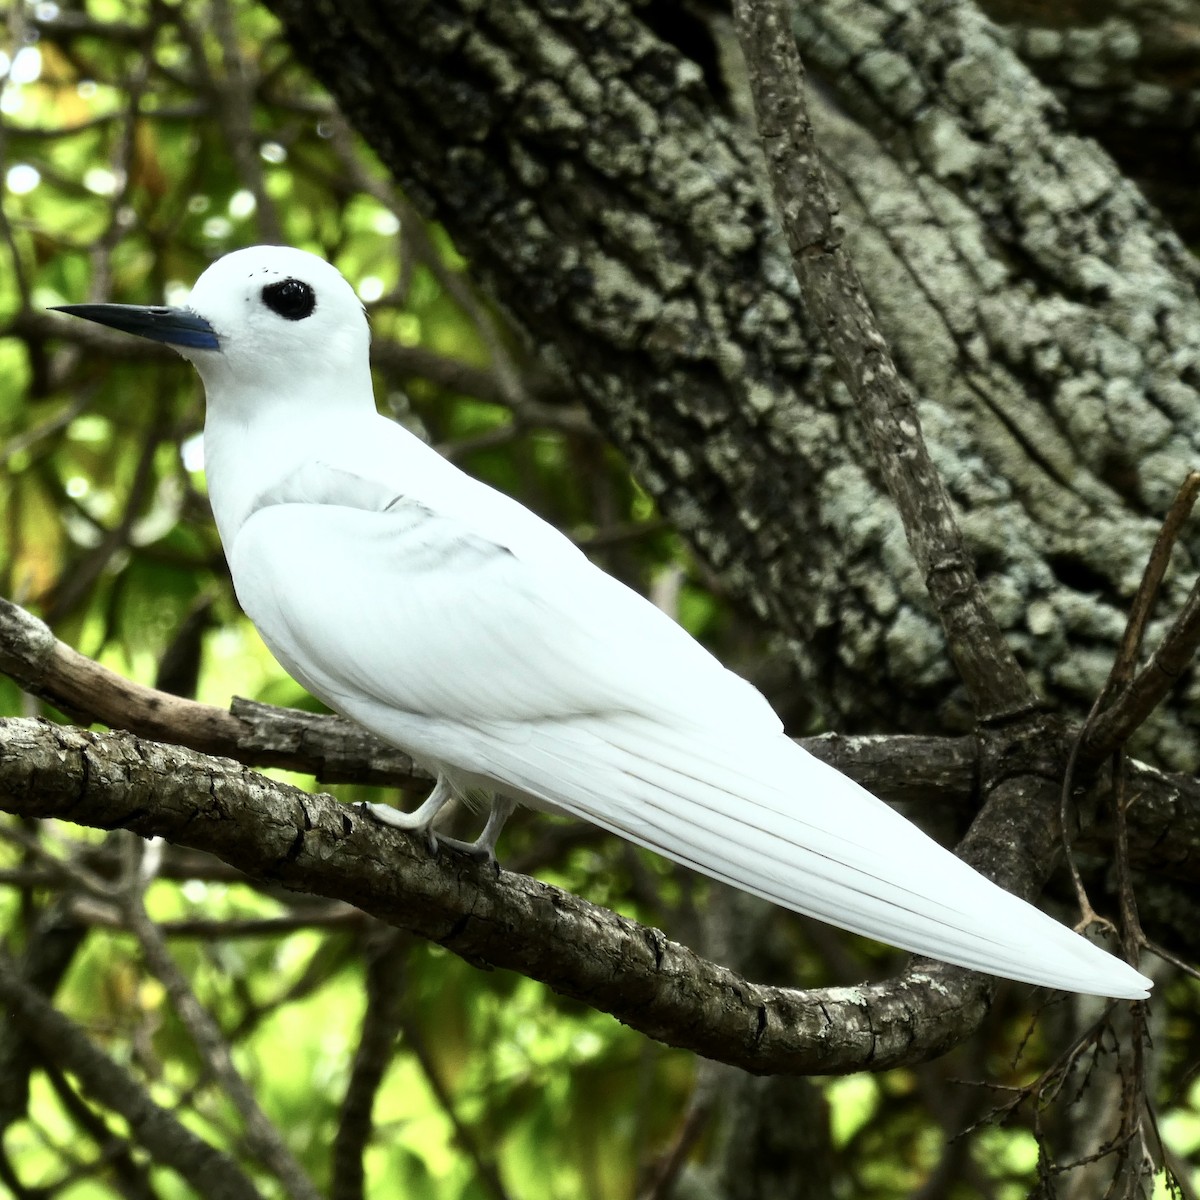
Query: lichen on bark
(1046, 314)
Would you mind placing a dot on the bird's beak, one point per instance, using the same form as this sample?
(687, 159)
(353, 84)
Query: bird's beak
(175, 326)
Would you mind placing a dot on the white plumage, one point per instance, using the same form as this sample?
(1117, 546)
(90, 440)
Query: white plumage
(450, 620)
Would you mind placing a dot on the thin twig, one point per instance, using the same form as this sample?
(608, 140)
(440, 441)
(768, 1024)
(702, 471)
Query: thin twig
(326, 916)
(1178, 963)
(263, 1138)
(1145, 692)
(666, 1171)
(1127, 700)
(1110, 722)
(233, 98)
(486, 1171)
(1088, 916)
(127, 895)
(386, 959)
(132, 1177)
(836, 301)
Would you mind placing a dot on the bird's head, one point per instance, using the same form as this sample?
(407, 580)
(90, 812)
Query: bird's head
(267, 320)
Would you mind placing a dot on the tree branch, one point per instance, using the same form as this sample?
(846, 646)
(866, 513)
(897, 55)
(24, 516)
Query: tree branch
(172, 1144)
(331, 748)
(835, 298)
(312, 843)
(265, 1140)
(386, 958)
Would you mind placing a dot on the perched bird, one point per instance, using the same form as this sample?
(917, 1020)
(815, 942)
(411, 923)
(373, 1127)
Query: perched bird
(454, 623)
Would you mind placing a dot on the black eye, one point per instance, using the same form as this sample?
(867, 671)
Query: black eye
(292, 299)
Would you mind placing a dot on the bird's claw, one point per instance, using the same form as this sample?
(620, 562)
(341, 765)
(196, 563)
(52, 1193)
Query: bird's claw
(478, 850)
(482, 849)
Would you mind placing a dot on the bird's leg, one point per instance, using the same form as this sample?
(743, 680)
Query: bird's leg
(421, 819)
(484, 846)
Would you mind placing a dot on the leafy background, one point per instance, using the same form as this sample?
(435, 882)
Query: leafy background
(139, 141)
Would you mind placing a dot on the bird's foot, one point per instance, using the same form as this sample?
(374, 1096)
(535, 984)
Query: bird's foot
(476, 850)
(483, 848)
(420, 821)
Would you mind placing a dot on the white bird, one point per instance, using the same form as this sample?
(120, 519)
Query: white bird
(456, 624)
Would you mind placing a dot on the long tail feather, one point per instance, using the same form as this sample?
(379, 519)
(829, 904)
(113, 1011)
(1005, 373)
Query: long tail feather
(781, 824)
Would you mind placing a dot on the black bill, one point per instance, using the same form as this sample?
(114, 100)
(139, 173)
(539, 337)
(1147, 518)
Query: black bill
(175, 326)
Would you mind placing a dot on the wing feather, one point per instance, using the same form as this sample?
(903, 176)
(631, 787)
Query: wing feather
(425, 615)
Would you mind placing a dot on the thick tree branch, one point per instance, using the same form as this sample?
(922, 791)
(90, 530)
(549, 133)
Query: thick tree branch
(312, 843)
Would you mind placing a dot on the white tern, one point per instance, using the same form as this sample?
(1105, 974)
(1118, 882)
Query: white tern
(453, 622)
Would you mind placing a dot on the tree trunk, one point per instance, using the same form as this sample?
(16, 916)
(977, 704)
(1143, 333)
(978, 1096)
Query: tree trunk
(610, 200)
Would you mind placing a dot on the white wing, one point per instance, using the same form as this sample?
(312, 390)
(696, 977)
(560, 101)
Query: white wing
(523, 665)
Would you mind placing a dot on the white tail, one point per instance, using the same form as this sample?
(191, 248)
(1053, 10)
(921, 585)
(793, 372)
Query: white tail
(779, 823)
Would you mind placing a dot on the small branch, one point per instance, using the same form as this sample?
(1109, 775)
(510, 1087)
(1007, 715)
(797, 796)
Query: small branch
(1145, 692)
(132, 1178)
(330, 748)
(386, 960)
(664, 1176)
(263, 1138)
(835, 298)
(333, 916)
(233, 97)
(1110, 722)
(209, 1171)
(1127, 700)
(52, 940)
(72, 587)
(1152, 577)
(487, 1174)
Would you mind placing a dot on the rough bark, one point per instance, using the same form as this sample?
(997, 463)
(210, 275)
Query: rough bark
(1043, 310)
(1128, 72)
(1041, 306)
(833, 294)
(312, 843)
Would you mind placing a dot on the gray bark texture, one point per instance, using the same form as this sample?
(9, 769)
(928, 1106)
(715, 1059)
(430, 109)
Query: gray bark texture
(279, 834)
(1045, 313)
(1126, 72)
